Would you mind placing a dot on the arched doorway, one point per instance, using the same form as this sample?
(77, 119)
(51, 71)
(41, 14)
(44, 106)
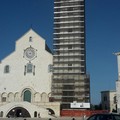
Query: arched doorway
(18, 112)
(27, 96)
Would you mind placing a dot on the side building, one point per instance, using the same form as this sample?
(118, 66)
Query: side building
(108, 100)
(25, 79)
(70, 81)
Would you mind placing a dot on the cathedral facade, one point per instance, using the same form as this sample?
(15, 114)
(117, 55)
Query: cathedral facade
(25, 79)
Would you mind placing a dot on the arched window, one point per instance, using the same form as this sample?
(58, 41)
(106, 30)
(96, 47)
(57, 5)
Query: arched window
(27, 96)
(4, 97)
(50, 68)
(1, 113)
(29, 68)
(35, 114)
(7, 69)
(30, 39)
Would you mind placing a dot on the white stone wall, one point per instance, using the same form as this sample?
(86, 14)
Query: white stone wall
(16, 81)
(118, 95)
(29, 107)
(118, 83)
(112, 101)
(108, 100)
(18, 96)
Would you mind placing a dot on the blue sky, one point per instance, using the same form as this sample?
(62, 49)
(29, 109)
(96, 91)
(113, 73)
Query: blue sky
(102, 35)
(103, 39)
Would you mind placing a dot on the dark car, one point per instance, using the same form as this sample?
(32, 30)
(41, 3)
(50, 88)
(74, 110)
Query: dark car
(104, 117)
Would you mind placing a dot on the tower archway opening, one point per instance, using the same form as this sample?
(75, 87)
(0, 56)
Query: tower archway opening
(18, 112)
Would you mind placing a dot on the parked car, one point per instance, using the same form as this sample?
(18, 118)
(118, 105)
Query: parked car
(106, 116)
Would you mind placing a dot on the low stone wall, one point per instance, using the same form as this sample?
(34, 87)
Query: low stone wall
(81, 113)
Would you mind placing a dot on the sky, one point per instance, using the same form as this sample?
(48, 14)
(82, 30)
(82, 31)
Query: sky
(102, 35)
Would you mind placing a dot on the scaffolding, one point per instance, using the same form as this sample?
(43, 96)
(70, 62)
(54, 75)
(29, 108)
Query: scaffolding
(70, 81)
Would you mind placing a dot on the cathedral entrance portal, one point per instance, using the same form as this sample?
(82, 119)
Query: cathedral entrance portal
(18, 112)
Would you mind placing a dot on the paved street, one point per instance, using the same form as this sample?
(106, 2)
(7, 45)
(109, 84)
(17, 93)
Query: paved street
(61, 118)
